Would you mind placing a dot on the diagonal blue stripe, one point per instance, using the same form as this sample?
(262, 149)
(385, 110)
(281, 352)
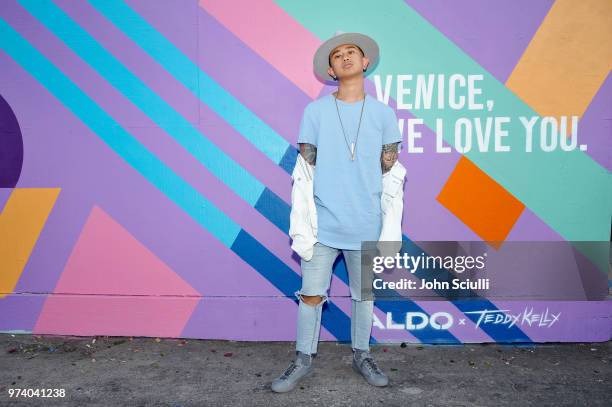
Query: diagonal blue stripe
(262, 136)
(154, 170)
(273, 209)
(288, 160)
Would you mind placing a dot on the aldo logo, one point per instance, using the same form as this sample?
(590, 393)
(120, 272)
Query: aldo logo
(415, 321)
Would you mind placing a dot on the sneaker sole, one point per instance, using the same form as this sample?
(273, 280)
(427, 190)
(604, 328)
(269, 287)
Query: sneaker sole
(356, 369)
(294, 383)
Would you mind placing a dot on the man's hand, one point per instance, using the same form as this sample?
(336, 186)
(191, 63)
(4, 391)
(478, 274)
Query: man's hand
(309, 152)
(388, 157)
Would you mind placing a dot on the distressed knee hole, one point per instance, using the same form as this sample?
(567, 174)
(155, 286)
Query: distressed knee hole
(361, 299)
(312, 300)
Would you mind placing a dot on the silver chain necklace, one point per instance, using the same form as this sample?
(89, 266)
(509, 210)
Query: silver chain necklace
(353, 146)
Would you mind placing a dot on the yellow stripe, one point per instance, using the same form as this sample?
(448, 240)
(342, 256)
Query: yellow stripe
(568, 58)
(21, 222)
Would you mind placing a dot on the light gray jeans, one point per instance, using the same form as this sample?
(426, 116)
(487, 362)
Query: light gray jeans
(316, 278)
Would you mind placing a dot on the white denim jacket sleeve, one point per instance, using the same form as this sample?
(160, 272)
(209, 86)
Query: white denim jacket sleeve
(392, 207)
(303, 217)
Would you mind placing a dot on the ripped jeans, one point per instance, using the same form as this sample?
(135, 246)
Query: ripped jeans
(316, 278)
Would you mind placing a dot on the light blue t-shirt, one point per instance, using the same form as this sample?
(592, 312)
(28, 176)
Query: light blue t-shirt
(347, 193)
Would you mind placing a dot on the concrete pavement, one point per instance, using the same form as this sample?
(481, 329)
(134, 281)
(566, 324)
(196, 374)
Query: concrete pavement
(120, 371)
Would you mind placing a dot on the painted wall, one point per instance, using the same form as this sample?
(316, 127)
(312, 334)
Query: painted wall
(146, 149)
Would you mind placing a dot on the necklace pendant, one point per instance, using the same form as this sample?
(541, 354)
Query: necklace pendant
(352, 151)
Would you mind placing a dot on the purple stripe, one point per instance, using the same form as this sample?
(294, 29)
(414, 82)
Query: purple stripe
(273, 318)
(529, 227)
(261, 319)
(595, 126)
(545, 284)
(5, 193)
(518, 271)
(260, 87)
(264, 90)
(20, 312)
(494, 33)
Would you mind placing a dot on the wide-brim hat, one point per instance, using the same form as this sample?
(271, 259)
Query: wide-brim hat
(321, 57)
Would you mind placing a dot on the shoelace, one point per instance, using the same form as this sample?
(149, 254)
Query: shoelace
(371, 366)
(290, 369)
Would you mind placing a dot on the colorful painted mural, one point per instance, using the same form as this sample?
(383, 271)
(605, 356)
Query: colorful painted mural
(147, 146)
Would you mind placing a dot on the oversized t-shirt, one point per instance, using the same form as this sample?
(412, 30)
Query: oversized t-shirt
(347, 193)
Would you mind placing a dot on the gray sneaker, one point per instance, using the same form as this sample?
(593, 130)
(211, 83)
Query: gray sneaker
(300, 367)
(365, 366)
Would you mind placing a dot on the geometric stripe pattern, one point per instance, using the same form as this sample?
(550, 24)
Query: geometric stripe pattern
(133, 72)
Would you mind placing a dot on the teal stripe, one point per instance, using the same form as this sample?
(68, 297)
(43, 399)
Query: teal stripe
(568, 191)
(184, 70)
(117, 138)
(84, 45)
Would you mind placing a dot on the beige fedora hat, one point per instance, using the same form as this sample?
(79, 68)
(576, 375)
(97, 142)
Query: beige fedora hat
(321, 57)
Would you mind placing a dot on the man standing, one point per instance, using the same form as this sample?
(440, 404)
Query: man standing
(351, 140)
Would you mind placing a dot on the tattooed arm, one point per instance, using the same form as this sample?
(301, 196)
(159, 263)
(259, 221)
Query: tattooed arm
(309, 152)
(388, 157)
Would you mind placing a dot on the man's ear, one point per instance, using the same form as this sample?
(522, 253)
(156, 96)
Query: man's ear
(330, 72)
(366, 63)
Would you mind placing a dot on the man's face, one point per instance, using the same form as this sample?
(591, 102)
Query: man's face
(346, 61)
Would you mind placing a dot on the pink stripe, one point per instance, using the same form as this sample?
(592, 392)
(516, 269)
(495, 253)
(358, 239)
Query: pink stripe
(114, 315)
(274, 35)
